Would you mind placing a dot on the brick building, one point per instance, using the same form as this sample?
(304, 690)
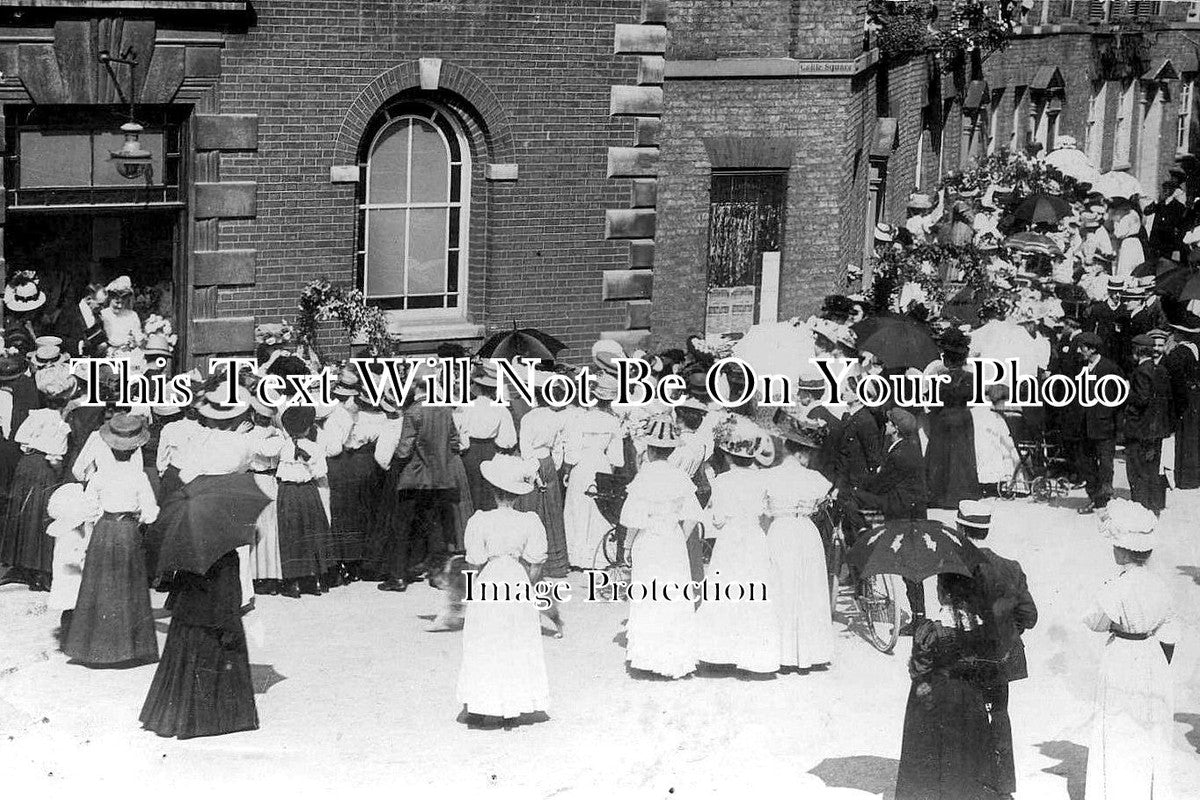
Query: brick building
(585, 166)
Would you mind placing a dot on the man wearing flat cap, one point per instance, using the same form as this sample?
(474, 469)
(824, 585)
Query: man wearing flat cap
(1147, 423)
(1099, 428)
(1008, 611)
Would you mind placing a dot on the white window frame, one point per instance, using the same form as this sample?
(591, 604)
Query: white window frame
(1097, 115)
(995, 104)
(463, 204)
(1183, 125)
(1123, 141)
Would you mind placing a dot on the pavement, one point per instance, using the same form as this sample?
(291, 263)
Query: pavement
(354, 694)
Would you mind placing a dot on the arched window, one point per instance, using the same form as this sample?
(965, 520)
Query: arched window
(415, 199)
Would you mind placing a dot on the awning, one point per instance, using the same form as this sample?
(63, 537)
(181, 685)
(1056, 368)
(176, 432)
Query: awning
(1161, 70)
(884, 140)
(1047, 77)
(977, 95)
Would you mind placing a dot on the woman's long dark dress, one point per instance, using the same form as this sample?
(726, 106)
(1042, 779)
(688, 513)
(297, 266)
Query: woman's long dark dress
(203, 685)
(950, 457)
(1181, 364)
(23, 539)
(354, 484)
(947, 751)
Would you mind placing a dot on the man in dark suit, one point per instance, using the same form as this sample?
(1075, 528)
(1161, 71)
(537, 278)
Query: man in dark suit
(1066, 360)
(1008, 611)
(1109, 319)
(860, 447)
(1170, 221)
(1099, 429)
(417, 532)
(1147, 423)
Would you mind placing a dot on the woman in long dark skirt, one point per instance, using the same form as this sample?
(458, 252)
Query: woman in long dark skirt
(486, 429)
(950, 466)
(541, 427)
(947, 751)
(113, 622)
(203, 686)
(304, 547)
(43, 438)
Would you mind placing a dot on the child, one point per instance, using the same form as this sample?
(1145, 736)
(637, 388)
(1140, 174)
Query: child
(73, 512)
(503, 672)
(113, 623)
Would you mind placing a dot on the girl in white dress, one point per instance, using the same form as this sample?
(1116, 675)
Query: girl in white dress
(1130, 754)
(660, 510)
(503, 674)
(800, 575)
(595, 444)
(743, 633)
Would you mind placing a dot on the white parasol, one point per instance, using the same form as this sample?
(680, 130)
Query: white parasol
(1074, 163)
(779, 348)
(1117, 185)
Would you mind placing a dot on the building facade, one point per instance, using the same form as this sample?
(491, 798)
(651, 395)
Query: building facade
(638, 169)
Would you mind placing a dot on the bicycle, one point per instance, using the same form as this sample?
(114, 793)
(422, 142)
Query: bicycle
(874, 597)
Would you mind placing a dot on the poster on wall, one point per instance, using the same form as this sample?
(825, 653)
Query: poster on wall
(730, 310)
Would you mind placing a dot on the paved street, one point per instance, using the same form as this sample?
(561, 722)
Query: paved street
(354, 694)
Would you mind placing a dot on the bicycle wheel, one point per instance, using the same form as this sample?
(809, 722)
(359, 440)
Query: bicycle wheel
(881, 613)
(836, 557)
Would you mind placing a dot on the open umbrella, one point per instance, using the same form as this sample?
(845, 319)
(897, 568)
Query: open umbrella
(901, 344)
(778, 349)
(1073, 163)
(522, 343)
(1035, 243)
(207, 518)
(1117, 185)
(1043, 208)
(914, 549)
(1155, 267)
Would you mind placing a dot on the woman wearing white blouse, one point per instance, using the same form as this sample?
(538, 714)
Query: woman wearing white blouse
(484, 428)
(122, 327)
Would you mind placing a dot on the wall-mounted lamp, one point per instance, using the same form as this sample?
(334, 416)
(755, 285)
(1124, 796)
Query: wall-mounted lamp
(132, 160)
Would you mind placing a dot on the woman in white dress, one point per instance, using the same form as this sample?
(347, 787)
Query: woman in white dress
(503, 674)
(742, 633)
(122, 326)
(800, 578)
(1130, 753)
(660, 510)
(595, 444)
(996, 456)
(1126, 228)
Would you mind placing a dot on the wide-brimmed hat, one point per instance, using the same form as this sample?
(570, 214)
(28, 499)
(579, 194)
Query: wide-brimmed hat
(605, 388)
(297, 421)
(975, 516)
(347, 383)
(46, 355)
(509, 474)
(158, 344)
(1129, 525)
(11, 368)
(42, 341)
(603, 353)
(486, 375)
(884, 232)
(793, 428)
(166, 410)
(24, 296)
(55, 381)
(690, 403)
(738, 436)
(659, 431)
(212, 408)
(120, 286)
(125, 431)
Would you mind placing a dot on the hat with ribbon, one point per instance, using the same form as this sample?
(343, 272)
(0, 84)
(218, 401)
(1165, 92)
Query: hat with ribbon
(603, 353)
(510, 474)
(605, 388)
(347, 382)
(125, 431)
(23, 294)
(659, 430)
(55, 381)
(46, 355)
(975, 516)
(738, 436)
(158, 344)
(487, 375)
(1129, 525)
(690, 403)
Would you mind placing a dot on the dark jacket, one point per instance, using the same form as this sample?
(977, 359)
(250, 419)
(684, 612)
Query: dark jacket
(79, 339)
(900, 482)
(1148, 409)
(1009, 611)
(427, 441)
(1111, 325)
(1100, 421)
(861, 448)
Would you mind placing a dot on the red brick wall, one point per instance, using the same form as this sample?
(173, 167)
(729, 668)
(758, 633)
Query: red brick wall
(537, 244)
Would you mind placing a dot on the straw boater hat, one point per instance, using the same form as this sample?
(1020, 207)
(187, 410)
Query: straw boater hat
(55, 381)
(347, 383)
(659, 431)
(486, 376)
(1115, 284)
(212, 408)
(296, 421)
(603, 353)
(1129, 525)
(42, 341)
(24, 295)
(884, 232)
(158, 344)
(606, 388)
(125, 432)
(166, 411)
(46, 355)
(975, 517)
(738, 436)
(509, 474)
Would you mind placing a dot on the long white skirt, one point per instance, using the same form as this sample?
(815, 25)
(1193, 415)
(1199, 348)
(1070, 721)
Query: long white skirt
(1129, 255)
(661, 634)
(1130, 753)
(503, 670)
(800, 590)
(67, 570)
(743, 633)
(267, 564)
(996, 456)
(584, 524)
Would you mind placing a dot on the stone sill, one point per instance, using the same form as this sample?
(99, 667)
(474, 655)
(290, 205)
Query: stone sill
(1034, 31)
(710, 69)
(232, 6)
(430, 329)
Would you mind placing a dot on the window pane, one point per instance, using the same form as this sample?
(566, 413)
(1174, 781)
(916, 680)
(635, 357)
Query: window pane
(427, 251)
(55, 159)
(385, 252)
(430, 165)
(106, 169)
(388, 169)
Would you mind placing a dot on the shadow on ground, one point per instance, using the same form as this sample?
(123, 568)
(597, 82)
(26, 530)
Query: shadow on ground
(1191, 572)
(870, 774)
(1072, 764)
(1192, 736)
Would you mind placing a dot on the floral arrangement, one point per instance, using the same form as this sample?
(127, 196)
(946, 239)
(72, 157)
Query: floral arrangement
(973, 28)
(1019, 175)
(713, 347)
(275, 334)
(930, 275)
(906, 28)
(902, 28)
(156, 324)
(322, 300)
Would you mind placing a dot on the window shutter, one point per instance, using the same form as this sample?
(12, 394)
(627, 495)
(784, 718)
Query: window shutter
(1096, 10)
